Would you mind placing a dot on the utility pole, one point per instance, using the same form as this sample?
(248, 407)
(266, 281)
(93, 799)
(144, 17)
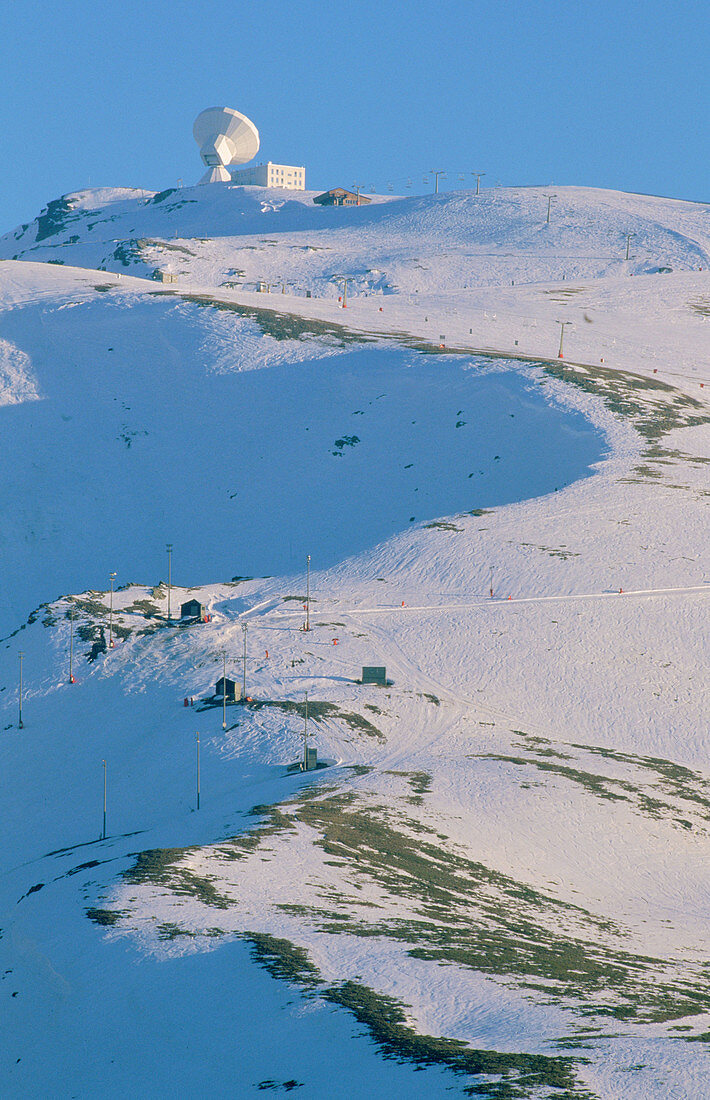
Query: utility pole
(628, 242)
(345, 279)
(110, 614)
(357, 187)
(224, 691)
(103, 834)
(20, 724)
(563, 325)
(244, 669)
(478, 180)
(305, 736)
(198, 770)
(170, 575)
(71, 645)
(308, 591)
(549, 206)
(436, 175)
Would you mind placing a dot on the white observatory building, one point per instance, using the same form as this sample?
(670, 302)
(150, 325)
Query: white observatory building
(227, 138)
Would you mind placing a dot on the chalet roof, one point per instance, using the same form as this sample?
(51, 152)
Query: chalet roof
(341, 192)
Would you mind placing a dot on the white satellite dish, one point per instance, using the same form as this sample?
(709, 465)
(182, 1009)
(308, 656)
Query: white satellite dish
(224, 137)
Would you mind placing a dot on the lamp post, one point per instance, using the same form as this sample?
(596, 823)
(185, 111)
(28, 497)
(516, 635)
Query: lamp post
(563, 325)
(305, 735)
(20, 723)
(71, 645)
(308, 591)
(345, 279)
(110, 614)
(224, 691)
(478, 180)
(628, 237)
(436, 175)
(169, 547)
(103, 834)
(244, 669)
(197, 736)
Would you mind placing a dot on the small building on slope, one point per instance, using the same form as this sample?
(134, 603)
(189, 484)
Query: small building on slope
(338, 196)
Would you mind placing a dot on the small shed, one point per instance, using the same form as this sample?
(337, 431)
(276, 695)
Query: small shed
(338, 196)
(192, 609)
(164, 276)
(374, 674)
(311, 762)
(231, 687)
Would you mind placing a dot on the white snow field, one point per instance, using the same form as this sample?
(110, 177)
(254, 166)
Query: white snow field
(498, 886)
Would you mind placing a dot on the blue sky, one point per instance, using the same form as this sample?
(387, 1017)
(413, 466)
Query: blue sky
(607, 94)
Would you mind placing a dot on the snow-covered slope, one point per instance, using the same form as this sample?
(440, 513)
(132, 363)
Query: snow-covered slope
(225, 235)
(502, 872)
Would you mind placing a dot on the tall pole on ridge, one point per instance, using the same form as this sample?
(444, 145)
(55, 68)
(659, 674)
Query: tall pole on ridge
(20, 721)
(563, 325)
(549, 206)
(198, 770)
(103, 834)
(436, 175)
(224, 691)
(71, 645)
(305, 736)
(170, 575)
(478, 180)
(308, 591)
(244, 669)
(110, 614)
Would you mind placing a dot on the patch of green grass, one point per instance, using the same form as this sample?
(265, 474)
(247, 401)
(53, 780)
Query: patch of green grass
(147, 608)
(319, 710)
(673, 779)
(164, 866)
(600, 785)
(155, 865)
(284, 960)
(653, 407)
(520, 1075)
(458, 910)
(105, 917)
(280, 326)
(553, 552)
(703, 1038)
(420, 782)
(471, 915)
(170, 931)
